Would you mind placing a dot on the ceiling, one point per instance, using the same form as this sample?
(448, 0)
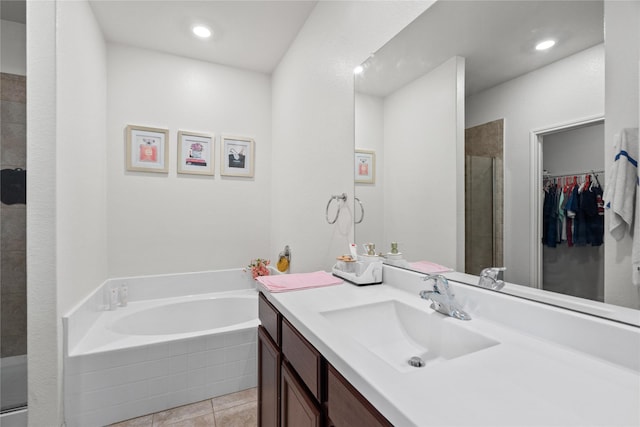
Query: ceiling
(252, 35)
(497, 39)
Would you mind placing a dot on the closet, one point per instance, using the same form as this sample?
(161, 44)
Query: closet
(573, 212)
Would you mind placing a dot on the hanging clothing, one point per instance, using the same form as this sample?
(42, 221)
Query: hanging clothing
(593, 221)
(573, 214)
(550, 217)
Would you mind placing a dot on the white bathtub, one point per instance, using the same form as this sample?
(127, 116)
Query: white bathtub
(181, 339)
(211, 313)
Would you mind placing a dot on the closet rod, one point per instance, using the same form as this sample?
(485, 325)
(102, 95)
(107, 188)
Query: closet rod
(547, 175)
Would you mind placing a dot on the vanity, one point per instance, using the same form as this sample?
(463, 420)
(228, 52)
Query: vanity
(339, 356)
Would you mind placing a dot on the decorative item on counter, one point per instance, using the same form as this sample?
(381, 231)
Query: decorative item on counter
(284, 259)
(113, 299)
(360, 269)
(123, 295)
(370, 248)
(394, 257)
(346, 263)
(258, 267)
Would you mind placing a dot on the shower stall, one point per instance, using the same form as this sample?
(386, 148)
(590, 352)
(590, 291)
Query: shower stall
(13, 283)
(484, 197)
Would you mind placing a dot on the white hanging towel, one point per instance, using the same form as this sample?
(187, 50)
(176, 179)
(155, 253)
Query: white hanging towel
(620, 192)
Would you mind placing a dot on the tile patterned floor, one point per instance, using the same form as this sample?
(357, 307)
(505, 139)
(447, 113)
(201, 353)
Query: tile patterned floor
(232, 410)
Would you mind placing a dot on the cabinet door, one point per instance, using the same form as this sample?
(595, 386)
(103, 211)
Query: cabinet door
(346, 407)
(298, 408)
(268, 381)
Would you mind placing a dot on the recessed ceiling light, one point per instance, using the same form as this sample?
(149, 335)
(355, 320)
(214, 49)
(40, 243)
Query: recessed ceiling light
(546, 44)
(358, 70)
(201, 31)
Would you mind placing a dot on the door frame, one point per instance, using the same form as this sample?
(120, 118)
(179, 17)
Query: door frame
(536, 169)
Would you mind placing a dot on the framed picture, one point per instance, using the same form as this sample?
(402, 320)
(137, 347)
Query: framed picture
(147, 149)
(237, 156)
(365, 167)
(195, 153)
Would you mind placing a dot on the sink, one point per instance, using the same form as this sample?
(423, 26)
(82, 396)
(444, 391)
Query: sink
(396, 332)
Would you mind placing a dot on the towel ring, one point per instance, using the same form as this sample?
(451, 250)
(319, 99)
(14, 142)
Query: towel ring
(342, 197)
(361, 210)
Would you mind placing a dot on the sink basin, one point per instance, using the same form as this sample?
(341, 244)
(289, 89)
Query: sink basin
(396, 332)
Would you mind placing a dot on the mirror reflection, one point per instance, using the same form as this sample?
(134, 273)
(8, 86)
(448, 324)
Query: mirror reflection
(469, 124)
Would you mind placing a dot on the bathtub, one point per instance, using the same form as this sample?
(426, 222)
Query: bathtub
(181, 339)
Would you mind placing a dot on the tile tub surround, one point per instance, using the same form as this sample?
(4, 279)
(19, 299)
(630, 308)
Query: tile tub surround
(232, 410)
(102, 387)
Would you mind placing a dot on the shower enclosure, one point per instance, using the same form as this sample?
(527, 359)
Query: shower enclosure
(13, 283)
(483, 197)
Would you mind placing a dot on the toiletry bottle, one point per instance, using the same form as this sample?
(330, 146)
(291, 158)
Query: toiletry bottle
(124, 295)
(113, 299)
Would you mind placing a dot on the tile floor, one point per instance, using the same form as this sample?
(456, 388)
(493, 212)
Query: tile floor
(232, 410)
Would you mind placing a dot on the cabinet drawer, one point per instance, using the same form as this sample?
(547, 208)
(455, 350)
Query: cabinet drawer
(302, 356)
(347, 407)
(269, 318)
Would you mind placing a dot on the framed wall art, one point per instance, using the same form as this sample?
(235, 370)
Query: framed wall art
(147, 149)
(237, 156)
(195, 153)
(365, 167)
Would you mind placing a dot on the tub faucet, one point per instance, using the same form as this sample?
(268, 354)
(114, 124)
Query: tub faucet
(442, 297)
(489, 278)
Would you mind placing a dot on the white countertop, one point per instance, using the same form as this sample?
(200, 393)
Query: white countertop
(525, 380)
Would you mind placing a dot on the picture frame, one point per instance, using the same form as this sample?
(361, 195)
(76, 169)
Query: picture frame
(365, 166)
(196, 153)
(237, 156)
(147, 149)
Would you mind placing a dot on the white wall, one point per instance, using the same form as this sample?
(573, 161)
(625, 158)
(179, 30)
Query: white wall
(421, 153)
(81, 152)
(313, 130)
(576, 150)
(13, 48)
(44, 379)
(66, 222)
(161, 223)
(622, 29)
(563, 92)
(369, 135)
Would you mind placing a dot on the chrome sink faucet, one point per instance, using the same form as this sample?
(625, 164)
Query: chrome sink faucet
(442, 297)
(489, 278)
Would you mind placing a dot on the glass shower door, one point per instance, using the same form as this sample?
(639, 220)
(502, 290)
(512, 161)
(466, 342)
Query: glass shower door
(480, 230)
(13, 285)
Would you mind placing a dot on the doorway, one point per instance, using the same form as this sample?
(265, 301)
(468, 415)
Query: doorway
(569, 256)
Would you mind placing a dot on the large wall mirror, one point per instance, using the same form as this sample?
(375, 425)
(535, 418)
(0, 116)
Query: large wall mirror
(462, 126)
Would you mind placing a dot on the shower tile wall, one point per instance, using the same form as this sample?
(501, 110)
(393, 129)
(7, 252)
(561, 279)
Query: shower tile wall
(13, 281)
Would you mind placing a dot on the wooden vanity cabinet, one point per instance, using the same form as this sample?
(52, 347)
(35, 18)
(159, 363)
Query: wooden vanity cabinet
(297, 387)
(298, 408)
(269, 365)
(347, 407)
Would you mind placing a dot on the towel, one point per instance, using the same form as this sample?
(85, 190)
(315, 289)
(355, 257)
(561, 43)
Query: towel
(291, 282)
(622, 182)
(429, 267)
